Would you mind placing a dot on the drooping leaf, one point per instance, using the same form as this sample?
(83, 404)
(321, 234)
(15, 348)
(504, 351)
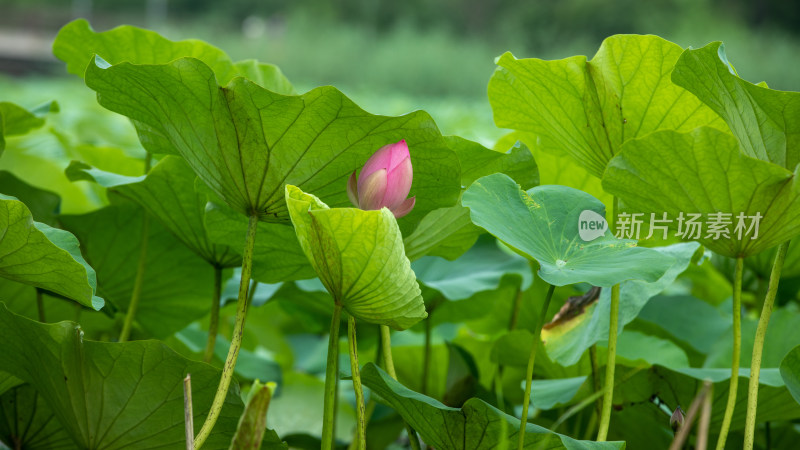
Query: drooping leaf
(766, 122)
(543, 223)
(175, 196)
(358, 255)
(246, 143)
(479, 269)
(476, 425)
(26, 421)
(704, 172)
(588, 109)
(113, 395)
(36, 254)
(177, 285)
(567, 341)
(76, 45)
(790, 372)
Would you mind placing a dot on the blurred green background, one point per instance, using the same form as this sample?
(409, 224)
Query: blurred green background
(393, 57)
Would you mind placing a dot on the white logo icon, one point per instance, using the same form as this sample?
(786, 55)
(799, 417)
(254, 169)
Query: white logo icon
(591, 225)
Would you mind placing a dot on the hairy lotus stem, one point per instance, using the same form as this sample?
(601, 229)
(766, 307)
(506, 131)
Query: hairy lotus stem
(758, 346)
(737, 347)
(331, 381)
(388, 363)
(611, 360)
(236, 339)
(529, 374)
(188, 416)
(354, 370)
(136, 293)
(213, 323)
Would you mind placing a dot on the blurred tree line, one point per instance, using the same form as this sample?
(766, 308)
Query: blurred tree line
(535, 21)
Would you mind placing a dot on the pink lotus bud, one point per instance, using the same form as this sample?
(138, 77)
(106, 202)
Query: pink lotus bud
(385, 181)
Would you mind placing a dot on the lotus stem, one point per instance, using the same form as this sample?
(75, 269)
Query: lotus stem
(388, 363)
(531, 359)
(426, 357)
(694, 408)
(136, 293)
(611, 360)
(737, 347)
(355, 371)
(331, 381)
(213, 323)
(188, 416)
(758, 346)
(236, 338)
(705, 420)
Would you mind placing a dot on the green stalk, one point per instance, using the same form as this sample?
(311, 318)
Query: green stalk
(236, 338)
(426, 357)
(529, 374)
(388, 363)
(611, 359)
(355, 371)
(136, 294)
(40, 305)
(213, 323)
(331, 380)
(758, 346)
(737, 347)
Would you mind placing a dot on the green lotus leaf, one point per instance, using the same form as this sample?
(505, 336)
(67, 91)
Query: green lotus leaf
(103, 393)
(766, 122)
(76, 44)
(543, 224)
(42, 256)
(43, 204)
(358, 256)
(177, 284)
(703, 172)
(27, 421)
(588, 109)
(246, 143)
(16, 120)
(476, 425)
(175, 196)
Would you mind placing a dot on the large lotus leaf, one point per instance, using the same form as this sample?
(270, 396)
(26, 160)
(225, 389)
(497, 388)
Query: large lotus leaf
(177, 285)
(478, 161)
(358, 255)
(543, 223)
(765, 121)
(26, 421)
(479, 269)
(704, 172)
(172, 193)
(688, 320)
(76, 44)
(566, 341)
(247, 143)
(113, 395)
(37, 254)
(277, 256)
(790, 372)
(476, 425)
(588, 109)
